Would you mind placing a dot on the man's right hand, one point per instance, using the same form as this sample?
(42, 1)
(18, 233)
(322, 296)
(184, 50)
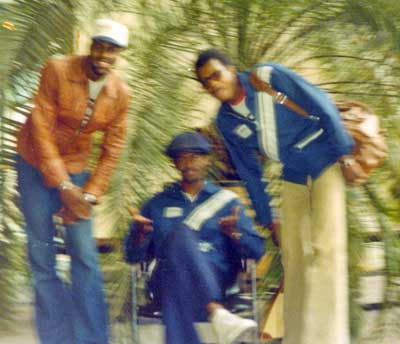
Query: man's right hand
(143, 225)
(73, 199)
(352, 170)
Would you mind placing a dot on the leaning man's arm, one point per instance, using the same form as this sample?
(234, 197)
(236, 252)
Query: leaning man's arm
(113, 143)
(251, 243)
(43, 119)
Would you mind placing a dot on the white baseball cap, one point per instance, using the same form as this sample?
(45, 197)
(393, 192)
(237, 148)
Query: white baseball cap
(110, 31)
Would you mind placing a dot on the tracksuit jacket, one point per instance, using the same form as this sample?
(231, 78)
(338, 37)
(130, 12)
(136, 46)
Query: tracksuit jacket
(305, 146)
(171, 208)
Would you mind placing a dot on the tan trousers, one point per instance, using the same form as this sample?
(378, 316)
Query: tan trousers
(314, 246)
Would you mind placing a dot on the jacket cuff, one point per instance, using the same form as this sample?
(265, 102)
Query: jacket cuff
(344, 149)
(54, 172)
(91, 188)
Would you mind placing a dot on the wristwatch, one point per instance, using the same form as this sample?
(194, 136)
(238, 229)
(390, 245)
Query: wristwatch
(92, 199)
(347, 162)
(65, 185)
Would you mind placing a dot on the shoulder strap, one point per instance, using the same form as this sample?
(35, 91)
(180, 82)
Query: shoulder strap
(280, 97)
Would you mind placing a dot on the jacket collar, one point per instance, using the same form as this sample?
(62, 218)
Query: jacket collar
(76, 73)
(226, 108)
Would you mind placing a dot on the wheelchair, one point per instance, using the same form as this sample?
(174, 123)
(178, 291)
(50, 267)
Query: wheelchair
(147, 326)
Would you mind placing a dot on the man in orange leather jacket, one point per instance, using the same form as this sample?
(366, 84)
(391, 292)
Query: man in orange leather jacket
(77, 96)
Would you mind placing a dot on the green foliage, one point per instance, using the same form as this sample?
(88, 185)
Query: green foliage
(31, 31)
(348, 47)
(38, 29)
(10, 248)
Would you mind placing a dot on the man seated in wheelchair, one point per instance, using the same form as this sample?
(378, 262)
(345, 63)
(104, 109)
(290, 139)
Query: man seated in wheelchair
(198, 233)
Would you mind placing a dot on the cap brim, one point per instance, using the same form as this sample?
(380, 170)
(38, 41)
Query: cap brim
(108, 40)
(174, 152)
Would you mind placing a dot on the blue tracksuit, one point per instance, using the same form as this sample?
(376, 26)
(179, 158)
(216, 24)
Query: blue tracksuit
(305, 146)
(197, 261)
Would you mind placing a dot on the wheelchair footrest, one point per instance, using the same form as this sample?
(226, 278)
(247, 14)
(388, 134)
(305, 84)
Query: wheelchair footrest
(150, 311)
(234, 303)
(238, 304)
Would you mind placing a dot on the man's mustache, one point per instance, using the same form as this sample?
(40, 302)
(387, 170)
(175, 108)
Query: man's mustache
(189, 170)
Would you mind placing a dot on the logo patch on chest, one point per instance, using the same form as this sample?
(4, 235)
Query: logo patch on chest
(172, 212)
(205, 246)
(243, 131)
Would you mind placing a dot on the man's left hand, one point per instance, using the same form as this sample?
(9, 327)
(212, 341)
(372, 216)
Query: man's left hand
(228, 224)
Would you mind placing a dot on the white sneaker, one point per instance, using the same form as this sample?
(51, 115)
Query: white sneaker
(231, 328)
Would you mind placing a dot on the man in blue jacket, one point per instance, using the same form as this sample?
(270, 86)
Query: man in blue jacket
(312, 151)
(198, 233)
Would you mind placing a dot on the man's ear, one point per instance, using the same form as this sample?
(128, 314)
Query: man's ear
(208, 160)
(232, 69)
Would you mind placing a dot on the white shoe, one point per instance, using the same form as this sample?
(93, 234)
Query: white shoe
(231, 328)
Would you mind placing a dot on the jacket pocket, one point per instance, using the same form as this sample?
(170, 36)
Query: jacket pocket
(308, 139)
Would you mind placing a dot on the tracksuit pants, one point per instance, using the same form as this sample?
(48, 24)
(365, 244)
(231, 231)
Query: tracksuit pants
(189, 283)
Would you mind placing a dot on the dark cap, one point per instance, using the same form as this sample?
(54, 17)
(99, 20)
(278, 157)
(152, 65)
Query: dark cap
(188, 142)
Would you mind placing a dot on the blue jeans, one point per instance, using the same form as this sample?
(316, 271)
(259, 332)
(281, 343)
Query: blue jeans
(75, 314)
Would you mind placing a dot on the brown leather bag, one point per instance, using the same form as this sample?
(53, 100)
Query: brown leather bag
(363, 125)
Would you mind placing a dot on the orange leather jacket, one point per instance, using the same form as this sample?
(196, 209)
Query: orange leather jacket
(51, 139)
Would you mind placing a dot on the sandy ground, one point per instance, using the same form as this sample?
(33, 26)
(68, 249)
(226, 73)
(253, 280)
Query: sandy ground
(24, 332)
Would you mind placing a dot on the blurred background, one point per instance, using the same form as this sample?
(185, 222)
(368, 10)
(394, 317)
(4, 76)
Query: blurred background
(350, 48)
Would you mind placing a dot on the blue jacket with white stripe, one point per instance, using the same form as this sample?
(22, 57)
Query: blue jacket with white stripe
(302, 147)
(171, 208)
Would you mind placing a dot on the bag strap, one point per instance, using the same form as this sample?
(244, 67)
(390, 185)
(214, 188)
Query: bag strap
(281, 98)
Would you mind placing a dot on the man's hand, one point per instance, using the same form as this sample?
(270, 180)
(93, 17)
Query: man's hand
(275, 229)
(228, 224)
(67, 216)
(73, 199)
(352, 171)
(143, 225)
